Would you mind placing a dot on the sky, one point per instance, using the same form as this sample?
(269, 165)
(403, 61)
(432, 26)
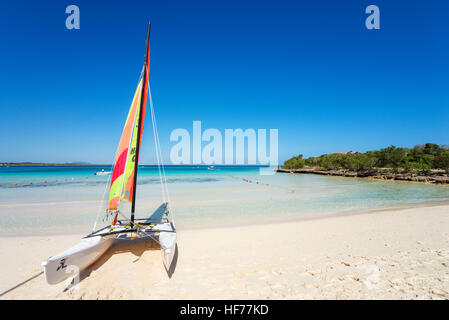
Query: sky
(310, 69)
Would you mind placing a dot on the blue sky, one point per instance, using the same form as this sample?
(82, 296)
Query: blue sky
(308, 68)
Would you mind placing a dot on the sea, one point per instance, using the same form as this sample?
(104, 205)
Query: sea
(44, 200)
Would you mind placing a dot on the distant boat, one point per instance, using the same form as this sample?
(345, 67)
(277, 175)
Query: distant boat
(158, 226)
(211, 168)
(102, 173)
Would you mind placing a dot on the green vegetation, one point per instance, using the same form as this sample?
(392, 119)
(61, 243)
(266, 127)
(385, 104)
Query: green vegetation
(295, 163)
(420, 159)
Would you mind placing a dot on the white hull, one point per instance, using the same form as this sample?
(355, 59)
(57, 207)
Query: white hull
(167, 241)
(70, 262)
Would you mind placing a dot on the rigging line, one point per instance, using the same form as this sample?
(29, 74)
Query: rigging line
(155, 143)
(103, 202)
(153, 120)
(161, 161)
(159, 158)
(158, 146)
(163, 167)
(22, 283)
(129, 220)
(163, 171)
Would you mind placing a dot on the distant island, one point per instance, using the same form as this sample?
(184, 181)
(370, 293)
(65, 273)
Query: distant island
(41, 164)
(422, 163)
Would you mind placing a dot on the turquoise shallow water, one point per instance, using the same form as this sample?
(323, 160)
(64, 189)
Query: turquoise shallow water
(21, 177)
(68, 199)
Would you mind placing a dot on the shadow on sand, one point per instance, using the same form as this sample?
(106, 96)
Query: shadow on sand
(137, 247)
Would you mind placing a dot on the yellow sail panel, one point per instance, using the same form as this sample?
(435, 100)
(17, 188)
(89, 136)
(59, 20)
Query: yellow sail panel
(131, 162)
(121, 158)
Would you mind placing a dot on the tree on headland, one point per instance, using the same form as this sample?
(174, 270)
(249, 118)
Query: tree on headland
(295, 162)
(442, 160)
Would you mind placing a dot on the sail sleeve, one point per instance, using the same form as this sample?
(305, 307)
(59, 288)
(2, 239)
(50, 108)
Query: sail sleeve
(123, 151)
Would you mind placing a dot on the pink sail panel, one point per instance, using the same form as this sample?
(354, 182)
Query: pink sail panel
(121, 157)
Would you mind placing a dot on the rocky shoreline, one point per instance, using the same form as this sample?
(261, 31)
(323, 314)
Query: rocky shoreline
(433, 178)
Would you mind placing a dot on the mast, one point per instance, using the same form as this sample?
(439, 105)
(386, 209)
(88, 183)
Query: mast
(139, 126)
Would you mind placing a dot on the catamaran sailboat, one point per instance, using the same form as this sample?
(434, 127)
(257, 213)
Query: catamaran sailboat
(158, 226)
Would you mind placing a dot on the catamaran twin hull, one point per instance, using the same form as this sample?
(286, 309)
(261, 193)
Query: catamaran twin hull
(123, 188)
(72, 261)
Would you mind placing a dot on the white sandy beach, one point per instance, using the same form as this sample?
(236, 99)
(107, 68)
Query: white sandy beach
(393, 254)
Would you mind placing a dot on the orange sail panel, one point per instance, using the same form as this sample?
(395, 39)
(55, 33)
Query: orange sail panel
(131, 163)
(133, 156)
(122, 156)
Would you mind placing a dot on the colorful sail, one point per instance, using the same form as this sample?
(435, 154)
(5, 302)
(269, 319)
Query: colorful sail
(123, 175)
(121, 158)
(133, 156)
